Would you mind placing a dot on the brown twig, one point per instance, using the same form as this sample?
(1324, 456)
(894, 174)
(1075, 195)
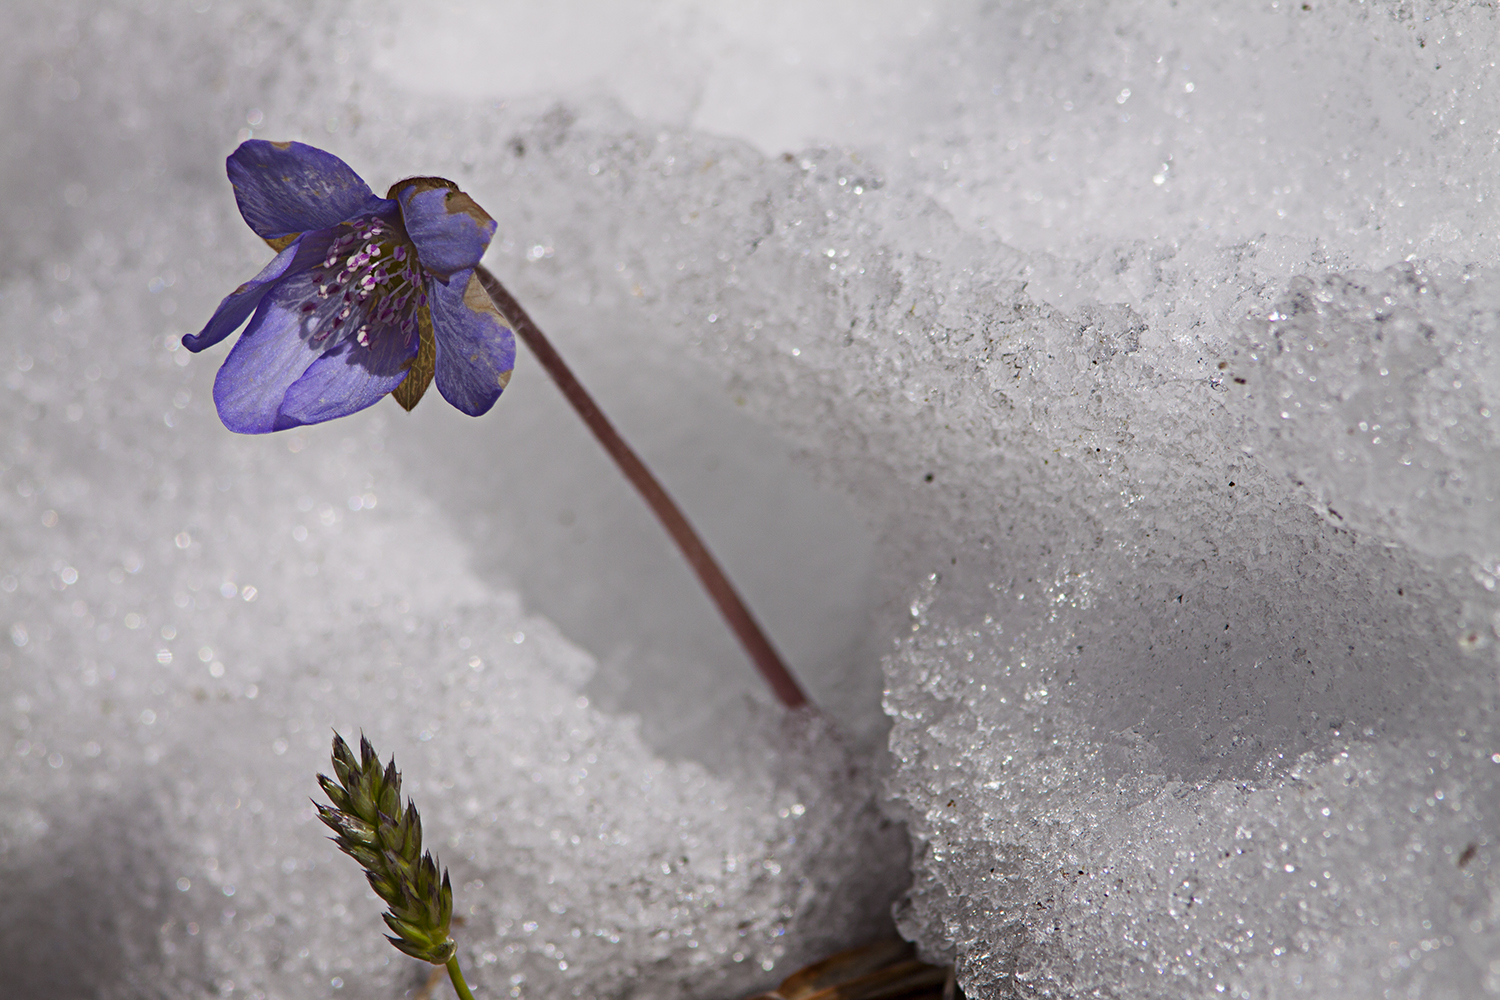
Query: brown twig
(425, 993)
(756, 645)
(886, 970)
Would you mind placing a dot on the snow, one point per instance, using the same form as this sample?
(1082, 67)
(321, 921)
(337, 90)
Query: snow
(1103, 392)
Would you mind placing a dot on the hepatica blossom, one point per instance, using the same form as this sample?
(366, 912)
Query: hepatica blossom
(366, 295)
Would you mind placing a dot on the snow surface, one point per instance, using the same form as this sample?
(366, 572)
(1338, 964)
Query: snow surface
(1117, 379)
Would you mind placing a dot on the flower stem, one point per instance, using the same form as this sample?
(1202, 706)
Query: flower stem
(756, 645)
(456, 974)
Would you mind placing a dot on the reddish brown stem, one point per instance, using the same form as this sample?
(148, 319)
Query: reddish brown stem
(757, 646)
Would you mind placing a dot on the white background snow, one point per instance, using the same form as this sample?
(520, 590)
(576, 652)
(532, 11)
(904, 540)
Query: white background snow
(1093, 400)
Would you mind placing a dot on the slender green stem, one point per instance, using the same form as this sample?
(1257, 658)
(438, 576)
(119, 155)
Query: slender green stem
(456, 974)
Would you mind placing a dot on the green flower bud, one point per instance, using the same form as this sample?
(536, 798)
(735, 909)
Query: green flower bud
(370, 826)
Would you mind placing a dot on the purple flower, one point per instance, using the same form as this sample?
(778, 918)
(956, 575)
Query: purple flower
(366, 295)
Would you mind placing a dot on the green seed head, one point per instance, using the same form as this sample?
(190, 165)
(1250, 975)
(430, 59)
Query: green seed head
(370, 826)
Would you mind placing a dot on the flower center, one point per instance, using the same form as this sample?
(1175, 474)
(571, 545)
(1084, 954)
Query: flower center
(369, 280)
